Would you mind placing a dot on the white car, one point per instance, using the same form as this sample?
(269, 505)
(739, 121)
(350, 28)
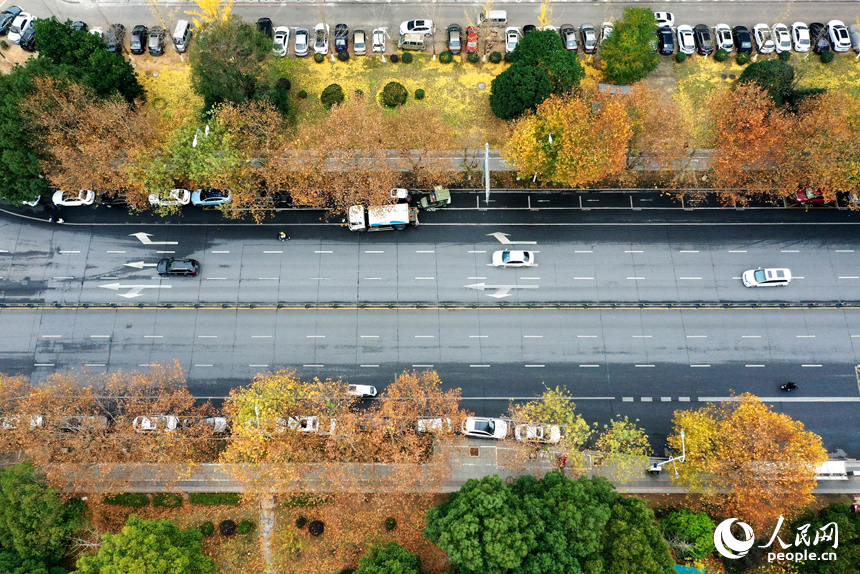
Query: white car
(434, 425)
(302, 424)
(481, 427)
(763, 41)
(800, 35)
(72, 199)
(379, 41)
(512, 38)
(723, 37)
(11, 423)
(21, 22)
(215, 425)
(513, 258)
(167, 423)
(766, 277)
(781, 38)
(301, 42)
(359, 43)
(550, 28)
(425, 27)
(281, 41)
(686, 41)
(321, 32)
(98, 32)
(175, 197)
(605, 31)
(664, 19)
(76, 423)
(538, 433)
(839, 36)
(362, 390)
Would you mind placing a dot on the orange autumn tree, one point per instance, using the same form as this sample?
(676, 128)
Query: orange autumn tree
(744, 460)
(589, 140)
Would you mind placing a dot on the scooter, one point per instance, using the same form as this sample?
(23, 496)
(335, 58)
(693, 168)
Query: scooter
(283, 236)
(788, 387)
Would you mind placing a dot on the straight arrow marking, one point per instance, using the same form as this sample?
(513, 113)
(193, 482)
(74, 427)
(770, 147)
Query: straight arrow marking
(140, 264)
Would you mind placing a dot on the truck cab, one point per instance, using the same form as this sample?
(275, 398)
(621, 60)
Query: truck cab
(439, 197)
(382, 217)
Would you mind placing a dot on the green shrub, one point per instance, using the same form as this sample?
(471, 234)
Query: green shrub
(680, 57)
(495, 57)
(510, 58)
(135, 500)
(4, 44)
(419, 94)
(390, 523)
(394, 94)
(247, 526)
(784, 56)
(207, 529)
(214, 498)
(333, 94)
(304, 501)
(303, 94)
(167, 500)
(284, 84)
(343, 56)
(742, 58)
(300, 522)
(359, 93)
(721, 55)
(694, 529)
(395, 58)
(473, 58)
(407, 58)
(446, 57)
(827, 57)
(347, 571)
(318, 58)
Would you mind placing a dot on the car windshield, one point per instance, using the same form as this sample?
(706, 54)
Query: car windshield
(759, 276)
(506, 256)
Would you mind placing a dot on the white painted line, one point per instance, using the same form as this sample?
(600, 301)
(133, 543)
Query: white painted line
(422, 366)
(524, 336)
(688, 251)
(368, 366)
(168, 252)
(315, 336)
(373, 279)
(478, 336)
(261, 336)
(220, 252)
(583, 278)
(110, 277)
(811, 365)
(476, 252)
(665, 399)
(99, 336)
(799, 277)
(264, 366)
(313, 365)
(588, 366)
(684, 399)
(790, 251)
(425, 278)
(322, 251)
(116, 251)
(737, 251)
(642, 336)
(850, 277)
(153, 336)
(626, 399)
(479, 366)
(583, 251)
(62, 277)
(697, 336)
(216, 278)
(43, 364)
(701, 366)
(750, 336)
(51, 336)
(94, 364)
(646, 399)
(62, 251)
(644, 366)
(531, 278)
(369, 336)
(844, 251)
(633, 252)
(272, 251)
(145, 364)
(374, 251)
(319, 278)
(424, 336)
(534, 366)
(754, 366)
(855, 336)
(202, 365)
(267, 278)
(805, 336)
(207, 336)
(425, 252)
(690, 278)
(735, 277)
(636, 278)
(476, 277)
(586, 336)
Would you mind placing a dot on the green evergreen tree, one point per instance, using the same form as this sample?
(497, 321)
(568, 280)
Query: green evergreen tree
(629, 54)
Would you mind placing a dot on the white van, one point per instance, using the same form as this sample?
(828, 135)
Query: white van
(411, 42)
(182, 36)
(494, 18)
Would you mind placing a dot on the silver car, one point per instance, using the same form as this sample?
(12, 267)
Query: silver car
(589, 38)
(301, 42)
(781, 38)
(481, 427)
(568, 36)
(321, 39)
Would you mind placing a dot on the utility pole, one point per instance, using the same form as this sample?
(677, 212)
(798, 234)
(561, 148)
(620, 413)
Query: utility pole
(487, 172)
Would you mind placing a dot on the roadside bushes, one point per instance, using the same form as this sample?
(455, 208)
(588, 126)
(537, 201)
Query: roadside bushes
(214, 498)
(207, 528)
(390, 523)
(495, 57)
(303, 94)
(245, 527)
(680, 57)
(827, 57)
(167, 500)
(784, 56)
(407, 58)
(742, 59)
(473, 58)
(333, 94)
(318, 58)
(446, 57)
(721, 55)
(419, 94)
(394, 94)
(343, 56)
(304, 501)
(135, 500)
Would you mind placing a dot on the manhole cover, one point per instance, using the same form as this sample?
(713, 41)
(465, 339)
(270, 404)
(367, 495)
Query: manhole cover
(723, 76)
(731, 76)
(474, 451)
(481, 85)
(147, 73)
(155, 74)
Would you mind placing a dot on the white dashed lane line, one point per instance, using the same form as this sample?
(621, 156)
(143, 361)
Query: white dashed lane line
(586, 336)
(220, 252)
(805, 336)
(532, 336)
(153, 336)
(636, 278)
(425, 252)
(275, 252)
(737, 250)
(315, 336)
(369, 336)
(374, 251)
(589, 366)
(690, 278)
(700, 366)
(322, 251)
(116, 251)
(754, 366)
(688, 251)
(697, 336)
(583, 251)
(584, 278)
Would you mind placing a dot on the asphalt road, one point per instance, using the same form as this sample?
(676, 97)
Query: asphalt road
(644, 364)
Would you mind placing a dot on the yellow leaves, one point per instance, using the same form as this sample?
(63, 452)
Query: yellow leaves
(170, 93)
(211, 11)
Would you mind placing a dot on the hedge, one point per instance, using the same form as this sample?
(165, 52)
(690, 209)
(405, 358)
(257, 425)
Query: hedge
(214, 498)
(304, 501)
(167, 500)
(135, 500)
(207, 529)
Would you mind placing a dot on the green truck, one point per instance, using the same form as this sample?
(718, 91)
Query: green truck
(439, 197)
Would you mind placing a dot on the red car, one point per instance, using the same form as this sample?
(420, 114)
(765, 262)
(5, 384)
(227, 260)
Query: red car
(809, 196)
(471, 40)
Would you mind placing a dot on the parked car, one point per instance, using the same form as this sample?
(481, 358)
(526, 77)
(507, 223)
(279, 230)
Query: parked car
(74, 198)
(264, 26)
(7, 17)
(137, 43)
(302, 424)
(763, 41)
(605, 31)
(665, 41)
(211, 196)
(21, 22)
(301, 42)
(359, 43)
(723, 37)
(437, 424)
(11, 423)
(214, 425)
(78, 423)
(743, 39)
(321, 31)
(781, 38)
(174, 197)
(664, 19)
(98, 33)
(549, 28)
(379, 41)
(686, 40)
(800, 36)
(508, 258)
(455, 38)
(589, 38)
(704, 41)
(854, 34)
(171, 266)
(839, 38)
(471, 39)
(28, 40)
(153, 423)
(80, 26)
(766, 277)
(568, 36)
(512, 38)
(425, 27)
(809, 196)
(819, 37)
(281, 41)
(482, 427)
(362, 390)
(341, 38)
(114, 37)
(529, 28)
(116, 201)
(439, 197)
(157, 36)
(546, 434)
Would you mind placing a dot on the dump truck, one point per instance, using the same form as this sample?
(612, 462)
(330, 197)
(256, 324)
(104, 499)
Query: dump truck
(382, 217)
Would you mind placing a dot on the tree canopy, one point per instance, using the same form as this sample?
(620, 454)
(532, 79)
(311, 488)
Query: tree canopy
(848, 553)
(773, 76)
(517, 89)
(151, 546)
(690, 533)
(628, 54)
(390, 558)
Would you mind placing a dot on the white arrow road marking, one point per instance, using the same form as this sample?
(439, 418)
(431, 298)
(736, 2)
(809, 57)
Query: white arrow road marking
(501, 290)
(134, 289)
(140, 264)
(145, 239)
(503, 239)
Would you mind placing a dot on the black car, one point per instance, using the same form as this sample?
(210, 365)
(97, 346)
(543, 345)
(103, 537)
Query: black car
(155, 41)
(264, 25)
(743, 40)
(6, 19)
(80, 26)
(28, 40)
(118, 201)
(704, 40)
(139, 34)
(455, 38)
(113, 38)
(819, 38)
(171, 266)
(529, 28)
(665, 41)
(341, 38)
